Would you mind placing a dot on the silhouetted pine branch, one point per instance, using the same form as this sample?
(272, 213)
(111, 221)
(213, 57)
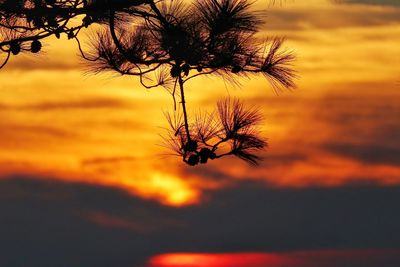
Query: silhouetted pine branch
(164, 43)
(234, 131)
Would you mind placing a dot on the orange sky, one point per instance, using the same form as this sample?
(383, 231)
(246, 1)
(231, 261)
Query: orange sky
(340, 126)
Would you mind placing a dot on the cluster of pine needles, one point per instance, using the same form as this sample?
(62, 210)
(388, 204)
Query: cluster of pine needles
(165, 43)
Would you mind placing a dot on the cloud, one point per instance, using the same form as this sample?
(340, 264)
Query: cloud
(371, 2)
(42, 63)
(367, 153)
(322, 17)
(11, 130)
(360, 127)
(107, 160)
(50, 223)
(118, 222)
(73, 104)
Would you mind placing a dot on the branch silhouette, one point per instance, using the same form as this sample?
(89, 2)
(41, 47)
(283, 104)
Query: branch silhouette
(165, 43)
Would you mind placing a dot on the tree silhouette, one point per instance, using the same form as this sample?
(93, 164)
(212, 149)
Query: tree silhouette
(165, 43)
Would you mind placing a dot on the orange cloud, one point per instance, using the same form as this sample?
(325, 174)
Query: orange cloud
(339, 127)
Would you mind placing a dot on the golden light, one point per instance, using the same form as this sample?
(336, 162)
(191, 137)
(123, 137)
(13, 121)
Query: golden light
(171, 190)
(58, 122)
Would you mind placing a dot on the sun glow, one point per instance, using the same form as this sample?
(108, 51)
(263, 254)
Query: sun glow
(171, 190)
(218, 260)
(312, 258)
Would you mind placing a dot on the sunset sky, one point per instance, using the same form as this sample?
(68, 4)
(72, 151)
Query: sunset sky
(85, 181)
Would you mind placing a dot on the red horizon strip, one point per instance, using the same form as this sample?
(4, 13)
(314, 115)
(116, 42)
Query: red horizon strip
(314, 258)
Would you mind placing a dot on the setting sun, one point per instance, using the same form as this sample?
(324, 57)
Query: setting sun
(219, 260)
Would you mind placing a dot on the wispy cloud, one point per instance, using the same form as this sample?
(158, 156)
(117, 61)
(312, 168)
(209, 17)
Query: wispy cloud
(107, 160)
(372, 2)
(89, 103)
(367, 153)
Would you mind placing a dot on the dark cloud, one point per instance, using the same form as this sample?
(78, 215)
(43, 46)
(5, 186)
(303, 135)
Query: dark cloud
(363, 127)
(274, 160)
(366, 153)
(48, 223)
(44, 224)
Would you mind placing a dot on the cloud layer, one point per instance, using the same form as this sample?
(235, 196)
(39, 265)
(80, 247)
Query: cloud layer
(372, 2)
(48, 223)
